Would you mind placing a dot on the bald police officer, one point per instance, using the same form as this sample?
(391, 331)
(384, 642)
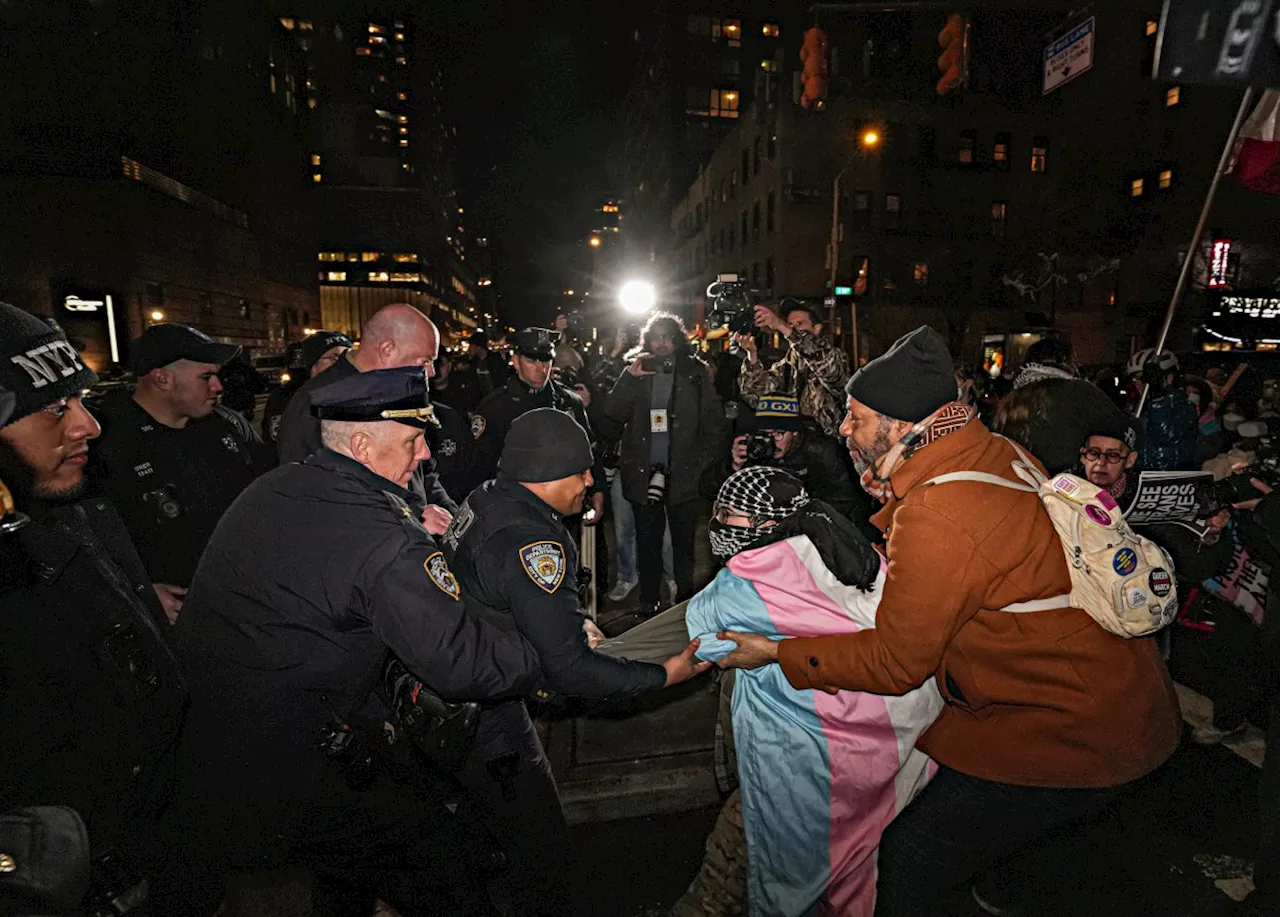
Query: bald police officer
(517, 564)
(311, 577)
(532, 350)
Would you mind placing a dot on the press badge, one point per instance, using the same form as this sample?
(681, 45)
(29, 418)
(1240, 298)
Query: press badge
(658, 421)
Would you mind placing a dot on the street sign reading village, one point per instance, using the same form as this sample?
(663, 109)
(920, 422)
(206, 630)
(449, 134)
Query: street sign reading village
(1069, 56)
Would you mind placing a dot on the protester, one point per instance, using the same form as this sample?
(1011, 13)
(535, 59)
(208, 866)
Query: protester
(814, 369)
(795, 567)
(1048, 358)
(1047, 715)
(1172, 424)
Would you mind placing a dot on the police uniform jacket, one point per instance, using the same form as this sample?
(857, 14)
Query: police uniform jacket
(91, 700)
(315, 573)
(451, 447)
(499, 408)
(172, 485)
(300, 434)
(518, 567)
(273, 413)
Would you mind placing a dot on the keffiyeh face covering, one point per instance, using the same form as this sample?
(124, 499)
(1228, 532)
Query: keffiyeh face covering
(764, 496)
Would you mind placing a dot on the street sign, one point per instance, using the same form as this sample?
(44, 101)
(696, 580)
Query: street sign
(1218, 42)
(830, 300)
(1069, 56)
(844, 291)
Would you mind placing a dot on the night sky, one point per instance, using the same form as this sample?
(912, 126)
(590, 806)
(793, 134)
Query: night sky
(535, 90)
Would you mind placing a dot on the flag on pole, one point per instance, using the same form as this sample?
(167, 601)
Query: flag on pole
(1258, 153)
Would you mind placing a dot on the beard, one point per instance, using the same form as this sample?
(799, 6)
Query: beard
(867, 458)
(67, 493)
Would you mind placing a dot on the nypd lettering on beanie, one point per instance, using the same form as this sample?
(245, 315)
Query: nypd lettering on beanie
(37, 363)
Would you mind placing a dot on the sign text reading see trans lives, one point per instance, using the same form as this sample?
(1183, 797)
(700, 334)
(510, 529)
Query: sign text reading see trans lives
(1069, 56)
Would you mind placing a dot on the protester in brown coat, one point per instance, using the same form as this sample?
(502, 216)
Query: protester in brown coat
(1047, 714)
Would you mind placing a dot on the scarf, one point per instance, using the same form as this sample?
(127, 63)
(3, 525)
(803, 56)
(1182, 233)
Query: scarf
(947, 419)
(764, 495)
(1038, 372)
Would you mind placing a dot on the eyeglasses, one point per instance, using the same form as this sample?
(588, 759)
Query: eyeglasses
(1112, 457)
(724, 513)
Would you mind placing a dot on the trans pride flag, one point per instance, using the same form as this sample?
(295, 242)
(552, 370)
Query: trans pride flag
(821, 775)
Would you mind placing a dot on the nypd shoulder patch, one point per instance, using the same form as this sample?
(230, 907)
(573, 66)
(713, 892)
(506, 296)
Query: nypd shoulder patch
(544, 562)
(438, 569)
(477, 426)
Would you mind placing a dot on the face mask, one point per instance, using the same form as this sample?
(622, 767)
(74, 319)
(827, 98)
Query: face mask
(728, 540)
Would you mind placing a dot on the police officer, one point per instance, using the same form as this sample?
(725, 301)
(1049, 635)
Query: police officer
(91, 700)
(310, 357)
(314, 574)
(451, 449)
(531, 387)
(517, 564)
(170, 458)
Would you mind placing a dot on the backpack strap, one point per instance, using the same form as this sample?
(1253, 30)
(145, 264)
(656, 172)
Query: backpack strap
(983, 478)
(1050, 604)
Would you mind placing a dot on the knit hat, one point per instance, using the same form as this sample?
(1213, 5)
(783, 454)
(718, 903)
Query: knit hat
(777, 412)
(910, 380)
(545, 445)
(6, 406)
(37, 364)
(315, 346)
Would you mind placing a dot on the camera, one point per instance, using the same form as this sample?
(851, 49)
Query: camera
(658, 364)
(575, 324)
(567, 376)
(1214, 496)
(657, 490)
(733, 304)
(760, 449)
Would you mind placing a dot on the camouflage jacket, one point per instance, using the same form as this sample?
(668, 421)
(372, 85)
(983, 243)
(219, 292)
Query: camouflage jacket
(814, 370)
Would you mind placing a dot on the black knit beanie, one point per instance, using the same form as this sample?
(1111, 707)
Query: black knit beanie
(36, 363)
(910, 380)
(544, 445)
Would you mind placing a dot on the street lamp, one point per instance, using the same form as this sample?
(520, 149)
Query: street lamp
(594, 241)
(157, 316)
(637, 296)
(868, 140)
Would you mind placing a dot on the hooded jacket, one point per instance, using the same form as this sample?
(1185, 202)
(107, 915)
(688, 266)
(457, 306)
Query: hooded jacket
(1044, 699)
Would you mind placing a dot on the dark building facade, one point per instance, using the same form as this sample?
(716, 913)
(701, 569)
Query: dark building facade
(150, 170)
(381, 164)
(996, 214)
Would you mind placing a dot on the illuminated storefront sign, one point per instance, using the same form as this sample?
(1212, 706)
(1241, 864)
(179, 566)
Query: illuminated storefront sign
(1219, 264)
(96, 304)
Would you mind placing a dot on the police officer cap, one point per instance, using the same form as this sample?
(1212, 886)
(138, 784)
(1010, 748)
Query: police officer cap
(315, 346)
(169, 342)
(535, 343)
(545, 445)
(381, 394)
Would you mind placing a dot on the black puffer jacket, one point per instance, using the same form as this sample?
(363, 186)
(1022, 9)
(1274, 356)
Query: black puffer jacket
(696, 423)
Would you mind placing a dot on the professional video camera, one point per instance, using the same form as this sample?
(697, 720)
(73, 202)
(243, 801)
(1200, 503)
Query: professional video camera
(733, 304)
(1214, 496)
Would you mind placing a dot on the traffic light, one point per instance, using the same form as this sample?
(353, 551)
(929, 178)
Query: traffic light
(953, 63)
(813, 54)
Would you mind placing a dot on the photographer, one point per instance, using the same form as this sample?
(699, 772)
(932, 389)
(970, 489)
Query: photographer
(814, 369)
(666, 413)
(776, 436)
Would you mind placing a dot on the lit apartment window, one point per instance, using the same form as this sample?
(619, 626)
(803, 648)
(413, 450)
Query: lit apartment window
(404, 142)
(1136, 187)
(1166, 179)
(999, 216)
(724, 103)
(1040, 154)
(1000, 152)
(315, 177)
(402, 119)
(311, 102)
(405, 258)
(769, 65)
(1152, 27)
(375, 29)
(968, 140)
(770, 30)
(404, 130)
(402, 60)
(377, 39)
(405, 278)
(353, 257)
(287, 22)
(362, 51)
(920, 273)
(370, 256)
(335, 275)
(1172, 96)
(315, 159)
(401, 96)
(399, 36)
(379, 276)
(304, 26)
(730, 30)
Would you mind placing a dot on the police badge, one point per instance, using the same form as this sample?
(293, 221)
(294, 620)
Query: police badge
(544, 562)
(438, 569)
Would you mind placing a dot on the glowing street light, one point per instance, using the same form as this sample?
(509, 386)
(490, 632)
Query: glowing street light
(870, 138)
(637, 296)
(157, 316)
(594, 241)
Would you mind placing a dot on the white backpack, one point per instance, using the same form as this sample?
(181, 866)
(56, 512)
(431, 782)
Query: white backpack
(1124, 581)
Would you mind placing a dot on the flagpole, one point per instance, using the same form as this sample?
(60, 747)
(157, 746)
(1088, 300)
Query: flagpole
(1223, 162)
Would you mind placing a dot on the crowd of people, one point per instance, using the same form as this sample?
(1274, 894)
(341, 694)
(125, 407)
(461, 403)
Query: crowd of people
(321, 644)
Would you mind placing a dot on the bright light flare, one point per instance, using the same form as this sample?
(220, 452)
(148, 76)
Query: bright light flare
(637, 296)
(870, 138)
